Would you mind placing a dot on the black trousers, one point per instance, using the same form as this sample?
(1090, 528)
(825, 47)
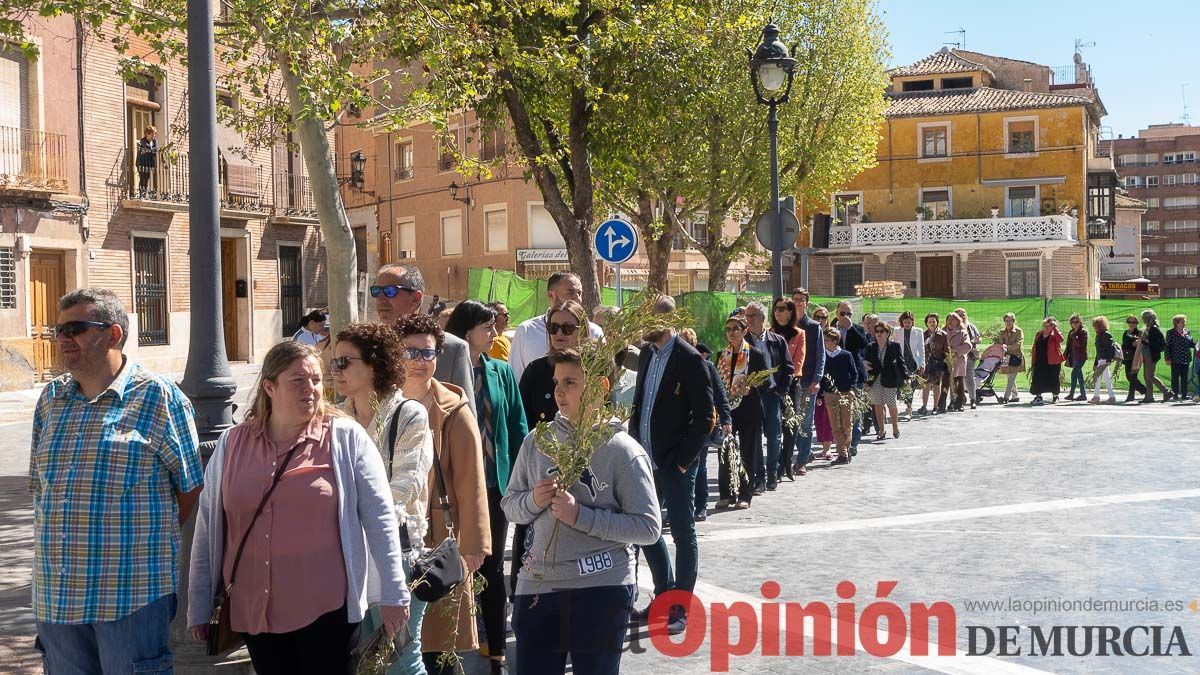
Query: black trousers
(789, 436)
(520, 532)
(1180, 372)
(493, 596)
(1135, 384)
(321, 648)
(747, 424)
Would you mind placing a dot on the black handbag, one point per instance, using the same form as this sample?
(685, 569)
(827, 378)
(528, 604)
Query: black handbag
(221, 636)
(437, 571)
(1015, 360)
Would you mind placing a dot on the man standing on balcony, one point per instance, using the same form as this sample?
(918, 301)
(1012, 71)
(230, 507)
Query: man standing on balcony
(147, 158)
(398, 291)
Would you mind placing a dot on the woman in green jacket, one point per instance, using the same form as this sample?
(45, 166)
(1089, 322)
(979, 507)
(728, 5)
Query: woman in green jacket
(501, 418)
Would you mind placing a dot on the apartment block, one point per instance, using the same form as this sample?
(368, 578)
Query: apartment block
(1159, 167)
(76, 211)
(990, 183)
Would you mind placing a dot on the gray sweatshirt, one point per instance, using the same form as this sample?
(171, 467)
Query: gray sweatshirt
(617, 508)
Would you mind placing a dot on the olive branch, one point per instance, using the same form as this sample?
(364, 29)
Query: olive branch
(599, 417)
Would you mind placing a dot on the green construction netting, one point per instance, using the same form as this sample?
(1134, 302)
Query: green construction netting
(527, 297)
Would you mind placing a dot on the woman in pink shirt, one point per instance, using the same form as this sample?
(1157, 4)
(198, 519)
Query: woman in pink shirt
(296, 566)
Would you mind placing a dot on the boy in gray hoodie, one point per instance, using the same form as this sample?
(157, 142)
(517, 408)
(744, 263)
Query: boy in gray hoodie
(574, 597)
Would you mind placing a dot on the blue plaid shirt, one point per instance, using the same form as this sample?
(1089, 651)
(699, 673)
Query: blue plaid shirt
(103, 473)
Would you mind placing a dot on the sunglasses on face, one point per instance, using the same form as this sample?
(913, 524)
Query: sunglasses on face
(733, 329)
(565, 328)
(1131, 323)
(389, 291)
(881, 332)
(343, 362)
(72, 328)
(821, 317)
(503, 314)
(845, 314)
(414, 354)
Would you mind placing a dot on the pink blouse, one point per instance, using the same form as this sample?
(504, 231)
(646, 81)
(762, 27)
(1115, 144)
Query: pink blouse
(292, 570)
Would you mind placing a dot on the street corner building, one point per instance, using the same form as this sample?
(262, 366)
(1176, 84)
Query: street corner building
(81, 204)
(994, 179)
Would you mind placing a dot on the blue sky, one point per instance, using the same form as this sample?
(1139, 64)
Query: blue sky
(1144, 50)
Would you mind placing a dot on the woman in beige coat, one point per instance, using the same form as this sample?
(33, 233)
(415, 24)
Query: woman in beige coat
(960, 345)
(1014, 343)
(457, 448)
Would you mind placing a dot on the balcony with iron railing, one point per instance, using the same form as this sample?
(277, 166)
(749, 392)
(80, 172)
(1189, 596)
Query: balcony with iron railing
(293, 199)
(1101, 232)
(999, 232)
(32, 161)
(242, 187)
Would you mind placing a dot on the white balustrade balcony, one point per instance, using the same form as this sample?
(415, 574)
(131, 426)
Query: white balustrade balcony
(1025, 232)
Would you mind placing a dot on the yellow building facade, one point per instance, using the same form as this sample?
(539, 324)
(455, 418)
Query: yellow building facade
(981, 189)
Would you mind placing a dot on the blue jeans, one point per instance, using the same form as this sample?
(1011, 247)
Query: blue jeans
(804, 439)
(768, 464)
(589, 624)
(409, 662)
(678, 491)
(1077, 376)
(134, 643)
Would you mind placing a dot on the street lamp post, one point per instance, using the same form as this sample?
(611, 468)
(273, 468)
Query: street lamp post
(771, 67)
(207, 380)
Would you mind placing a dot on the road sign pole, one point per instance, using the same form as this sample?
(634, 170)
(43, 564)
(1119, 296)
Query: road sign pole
(620, 291)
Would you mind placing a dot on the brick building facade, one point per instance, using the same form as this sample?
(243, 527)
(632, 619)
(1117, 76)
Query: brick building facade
(94, 224)
(1160, 167)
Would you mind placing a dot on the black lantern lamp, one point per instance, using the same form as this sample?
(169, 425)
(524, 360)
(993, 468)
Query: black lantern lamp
(771, 68)
(358, 170)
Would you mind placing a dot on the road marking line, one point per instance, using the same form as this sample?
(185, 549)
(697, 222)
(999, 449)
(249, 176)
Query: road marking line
(952, 665)
(891, 522)
(1085, 535)
(994, 440)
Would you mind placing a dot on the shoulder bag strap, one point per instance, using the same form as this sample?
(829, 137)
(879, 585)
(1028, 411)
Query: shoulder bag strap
(393, 431)
(443, 499)
(261, 505)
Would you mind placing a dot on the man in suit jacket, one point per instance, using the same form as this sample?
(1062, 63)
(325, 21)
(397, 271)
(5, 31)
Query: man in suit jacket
(855, 341)
(397, 292)
(774, 349)
(810, 374)
(672, 417)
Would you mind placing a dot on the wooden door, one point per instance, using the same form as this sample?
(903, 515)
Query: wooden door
(47, 283)
(937, 277)
(229, 308)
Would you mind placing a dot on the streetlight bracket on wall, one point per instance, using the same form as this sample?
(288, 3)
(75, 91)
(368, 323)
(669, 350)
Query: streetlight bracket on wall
(468, 197)
(357, 180)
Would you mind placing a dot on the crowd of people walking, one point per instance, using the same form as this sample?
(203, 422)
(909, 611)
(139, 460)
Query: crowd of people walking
(403, 449)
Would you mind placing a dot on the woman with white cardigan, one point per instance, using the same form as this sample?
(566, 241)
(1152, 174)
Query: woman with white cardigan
(297, 568)
(912, 346)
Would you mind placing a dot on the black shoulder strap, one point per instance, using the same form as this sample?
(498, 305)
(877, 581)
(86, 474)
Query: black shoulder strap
(261, 505)
(393, 430)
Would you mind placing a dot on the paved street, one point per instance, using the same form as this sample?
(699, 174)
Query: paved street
(1062, 503)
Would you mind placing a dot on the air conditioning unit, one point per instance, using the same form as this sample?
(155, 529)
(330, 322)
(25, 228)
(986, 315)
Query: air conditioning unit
(406, 255)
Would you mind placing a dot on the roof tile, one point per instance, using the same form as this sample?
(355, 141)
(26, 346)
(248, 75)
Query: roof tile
(943, 61)
(980, 99)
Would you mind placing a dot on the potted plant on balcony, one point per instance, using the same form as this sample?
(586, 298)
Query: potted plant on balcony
(924, 213)
(995, 211)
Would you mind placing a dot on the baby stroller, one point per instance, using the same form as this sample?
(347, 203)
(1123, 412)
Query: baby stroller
(985, 372)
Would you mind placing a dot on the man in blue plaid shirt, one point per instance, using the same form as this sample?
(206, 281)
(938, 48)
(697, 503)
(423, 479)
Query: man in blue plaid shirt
(114, 470)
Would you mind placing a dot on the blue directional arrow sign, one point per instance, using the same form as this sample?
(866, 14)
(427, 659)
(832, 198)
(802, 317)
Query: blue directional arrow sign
(616, 241)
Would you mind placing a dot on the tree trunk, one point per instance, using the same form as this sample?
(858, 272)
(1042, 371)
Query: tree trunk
(341, 261)
(658, 253)
(718, 270)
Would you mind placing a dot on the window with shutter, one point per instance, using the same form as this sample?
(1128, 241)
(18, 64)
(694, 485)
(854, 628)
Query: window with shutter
(1022, 202)
(1021, 137)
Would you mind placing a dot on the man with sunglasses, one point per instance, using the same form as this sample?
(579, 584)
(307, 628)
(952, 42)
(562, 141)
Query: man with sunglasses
(397, 292)
(810, 373)
(775, 351)
(114, 470)
(501, 345)
(530, 341)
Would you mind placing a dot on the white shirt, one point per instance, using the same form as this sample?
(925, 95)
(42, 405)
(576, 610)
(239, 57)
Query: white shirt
(305, 336)
(530, 342)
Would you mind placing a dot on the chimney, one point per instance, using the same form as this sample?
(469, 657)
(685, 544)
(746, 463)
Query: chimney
(1028, 84)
